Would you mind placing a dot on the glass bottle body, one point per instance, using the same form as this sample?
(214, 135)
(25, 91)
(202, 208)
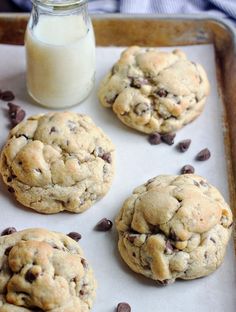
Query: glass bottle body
(60, 54)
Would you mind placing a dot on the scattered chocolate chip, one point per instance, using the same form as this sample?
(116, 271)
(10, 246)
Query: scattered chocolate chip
(104, 225)
(75, 236)
(203, 154)
(11, 189)
(154, 138)
(16, 114)
(7, 96)
(162, 93)
(30, 276)
(8, 231)
(187, 169)
(168, 138)
(107, 157)
(7, 250)
(183, 146)
(123, 307)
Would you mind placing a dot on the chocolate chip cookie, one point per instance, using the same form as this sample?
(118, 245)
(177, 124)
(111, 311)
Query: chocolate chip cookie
(44, 271)
(174, 227)
(57, 161)
(155, 91)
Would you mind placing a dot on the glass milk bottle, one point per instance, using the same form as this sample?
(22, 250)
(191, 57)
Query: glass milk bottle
(60, 52)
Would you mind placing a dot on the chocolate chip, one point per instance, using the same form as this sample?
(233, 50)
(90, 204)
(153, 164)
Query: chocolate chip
(168, 138)
(81, 292)
(154, 138)
(203, 155)
(84, 263)
(141, 108)
(7, 96)
(75, 236)
(123, 307)
(11, 189)
(138, 82)
(169, 248)
(16, 114)
(104, 225)
(131, 239)
(111, 100)
(183, 146)
(213, 240)
(30, 276)
(187, 169)
(173, 236)
(162, 93)
(107, 157)
(165, 282)
(53, 129)
(7, 250)
(8, 231)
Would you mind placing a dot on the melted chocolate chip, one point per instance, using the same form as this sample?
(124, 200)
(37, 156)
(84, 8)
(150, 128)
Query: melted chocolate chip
(164, 282)
(84, 263)
(104, 225)
(138, 82)
(75, 236)
(154, 138)
(53, 129)
(162, 93)
(30, 276)
(183, 145)
(141, 108)
(7, 250)
(8, 231)
(203, 154)
(107, 157)
(7, 96)
(131, 239)
(123, 307)
(11, 189)
(168, 138)
(187, 169)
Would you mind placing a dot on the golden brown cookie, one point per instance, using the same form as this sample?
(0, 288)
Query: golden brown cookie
(44, 271)
(174, 227)
(58, 161)
(155, 91)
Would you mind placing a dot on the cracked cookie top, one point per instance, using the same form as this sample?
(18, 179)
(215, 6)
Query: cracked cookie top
(44, 271)
(57, 161)
(155, 91)
(174, 227)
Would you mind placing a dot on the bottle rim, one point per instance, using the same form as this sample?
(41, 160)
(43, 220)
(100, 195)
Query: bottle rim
(59, 4)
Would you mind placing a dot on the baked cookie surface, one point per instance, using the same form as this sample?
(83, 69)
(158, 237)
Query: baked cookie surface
(58, 161)
(155, 91)
(44, 271)
(174, 227)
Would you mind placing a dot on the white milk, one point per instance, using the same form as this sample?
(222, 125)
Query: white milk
(60, 54)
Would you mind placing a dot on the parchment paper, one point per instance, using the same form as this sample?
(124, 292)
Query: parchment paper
(137, 161)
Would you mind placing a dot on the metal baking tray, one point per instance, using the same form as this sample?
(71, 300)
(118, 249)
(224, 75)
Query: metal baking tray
(166, 31)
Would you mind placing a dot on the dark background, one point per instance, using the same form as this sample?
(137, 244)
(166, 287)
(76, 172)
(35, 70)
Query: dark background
(8, 6)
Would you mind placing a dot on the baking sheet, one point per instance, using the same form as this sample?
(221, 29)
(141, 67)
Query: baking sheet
(137, 161)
